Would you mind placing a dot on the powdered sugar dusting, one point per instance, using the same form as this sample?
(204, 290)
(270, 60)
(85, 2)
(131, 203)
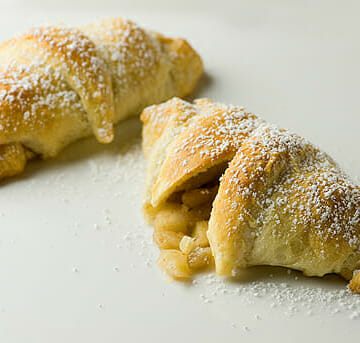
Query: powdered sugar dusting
(61, 53)
(278, 184)
(130, 52)
(289, 295)
(65, 83)
(34, 98)
(228, 125)
(301, 196)
(105, 173)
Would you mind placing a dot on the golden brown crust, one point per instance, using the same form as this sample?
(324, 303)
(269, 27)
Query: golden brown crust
(192, 140)
(181, 53)
(13, 159)
(281, 201)
(60, 84)
(354, 284)
(157, 118)
(235, 209)
(73, 55)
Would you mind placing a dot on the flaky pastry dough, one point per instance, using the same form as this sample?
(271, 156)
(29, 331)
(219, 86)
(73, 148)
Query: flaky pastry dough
(262, 195)
(60, 84)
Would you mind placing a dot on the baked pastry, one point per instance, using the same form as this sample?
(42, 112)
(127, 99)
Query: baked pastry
(225, 188)
(60, 84)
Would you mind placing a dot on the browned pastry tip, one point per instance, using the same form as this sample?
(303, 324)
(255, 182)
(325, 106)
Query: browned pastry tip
(354, 284)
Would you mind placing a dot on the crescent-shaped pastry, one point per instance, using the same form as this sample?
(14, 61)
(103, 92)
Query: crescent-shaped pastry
(60, 84)
(225, 188)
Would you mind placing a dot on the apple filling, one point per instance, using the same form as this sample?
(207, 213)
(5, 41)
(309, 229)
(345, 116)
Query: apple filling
(181, 224)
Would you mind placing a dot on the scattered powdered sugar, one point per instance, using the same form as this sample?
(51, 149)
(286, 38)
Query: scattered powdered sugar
(290, 294)
(108, 170)
(279, 185)
(317, 178)
(221, 133)
(139, 241)
(301, 196)
(131, 53)
(290, 298)
(54, 68)
(55, 75)
(32, 90)
(127, 165)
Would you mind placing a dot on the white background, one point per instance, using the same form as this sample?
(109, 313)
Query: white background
(76, 258)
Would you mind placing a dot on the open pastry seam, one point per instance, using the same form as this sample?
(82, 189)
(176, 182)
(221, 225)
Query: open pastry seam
(180, 219)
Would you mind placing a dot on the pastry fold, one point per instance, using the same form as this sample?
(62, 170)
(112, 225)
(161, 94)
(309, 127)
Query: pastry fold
(60, 84)
(250, 193)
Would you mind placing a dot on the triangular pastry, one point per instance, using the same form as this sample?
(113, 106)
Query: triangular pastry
(225, 188)
(60, 84)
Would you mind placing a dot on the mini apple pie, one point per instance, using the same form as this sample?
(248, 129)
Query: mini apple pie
(226, 189)
(61, 84)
